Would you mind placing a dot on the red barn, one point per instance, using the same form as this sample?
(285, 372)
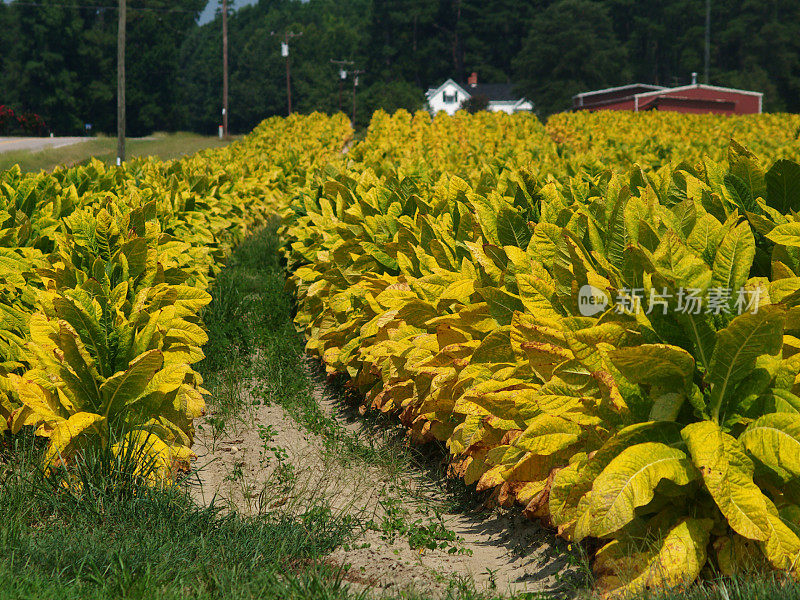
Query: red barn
(695, 98)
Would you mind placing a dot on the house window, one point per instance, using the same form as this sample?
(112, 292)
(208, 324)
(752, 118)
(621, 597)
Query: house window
(449, 98)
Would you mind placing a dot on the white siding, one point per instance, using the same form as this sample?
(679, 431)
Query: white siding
(510, 107)
(506, 107)
(447, 98)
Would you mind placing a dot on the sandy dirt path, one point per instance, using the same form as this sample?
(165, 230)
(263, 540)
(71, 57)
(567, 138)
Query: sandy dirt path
(267, 462)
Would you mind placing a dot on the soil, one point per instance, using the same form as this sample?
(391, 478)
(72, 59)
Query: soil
(265, 462)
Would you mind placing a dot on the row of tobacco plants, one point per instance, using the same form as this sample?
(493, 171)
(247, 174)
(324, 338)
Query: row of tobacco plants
(615, 348)
(104, 272)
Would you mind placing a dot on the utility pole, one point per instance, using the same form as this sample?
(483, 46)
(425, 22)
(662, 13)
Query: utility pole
(708, 41)
(355, 73)
(225, 68)
(285, 53)
(121, 82)
(342, 76)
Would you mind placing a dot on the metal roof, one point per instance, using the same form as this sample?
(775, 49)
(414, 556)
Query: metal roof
(702, 86)
(619, 88)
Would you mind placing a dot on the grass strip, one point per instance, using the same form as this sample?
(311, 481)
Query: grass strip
(166, 146)
(114, 537)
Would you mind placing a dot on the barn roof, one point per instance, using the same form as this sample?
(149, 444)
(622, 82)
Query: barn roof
(631, 88)
(702, 86)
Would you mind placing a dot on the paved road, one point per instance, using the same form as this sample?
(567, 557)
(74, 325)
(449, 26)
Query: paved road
(7, 144)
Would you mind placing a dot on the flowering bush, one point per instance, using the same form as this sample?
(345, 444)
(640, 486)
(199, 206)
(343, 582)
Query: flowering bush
(27, 123)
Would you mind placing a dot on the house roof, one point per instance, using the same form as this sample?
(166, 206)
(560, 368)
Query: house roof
(495, 92)
(433, 91)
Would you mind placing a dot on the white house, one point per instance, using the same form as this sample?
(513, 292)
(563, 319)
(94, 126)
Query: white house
(450, 95)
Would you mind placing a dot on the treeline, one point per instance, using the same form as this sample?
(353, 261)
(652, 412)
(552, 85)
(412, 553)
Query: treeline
(59, 56)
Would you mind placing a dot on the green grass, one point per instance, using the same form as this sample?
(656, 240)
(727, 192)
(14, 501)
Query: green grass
(163, 145)
(110, 540)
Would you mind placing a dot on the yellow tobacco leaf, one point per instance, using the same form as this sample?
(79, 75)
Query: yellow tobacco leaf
(671, 561)
(628, 482)
(547, 434)
(774, 440)
(66, 434)
(737, 555)
(728, 475)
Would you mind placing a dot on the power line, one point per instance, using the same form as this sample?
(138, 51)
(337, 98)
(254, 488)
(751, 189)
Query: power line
(287, 35)
(225, 68)
(355, 73)
(121, 81)
(342, 76)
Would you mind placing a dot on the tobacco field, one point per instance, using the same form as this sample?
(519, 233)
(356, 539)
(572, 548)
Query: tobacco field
(599, 316)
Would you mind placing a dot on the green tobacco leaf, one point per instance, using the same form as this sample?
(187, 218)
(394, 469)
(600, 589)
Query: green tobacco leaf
(741, 194)
(501, 304)
(87, 327)
(494, 348)
(679, 266)
(628, 482)
(738, 346)
(379, 255)
(78, 368)
(783, 186)
(126, 386)
(654, 364)
(744, 165)
(512, 229)
(700, 330)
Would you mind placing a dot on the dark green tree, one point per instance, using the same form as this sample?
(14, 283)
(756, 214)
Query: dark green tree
(390, 97)
(331, 30)
(492, 38)
(61, 62)
(756, 45)
(571, 47)
(156, 31)
(59, 55)
(407, 41)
